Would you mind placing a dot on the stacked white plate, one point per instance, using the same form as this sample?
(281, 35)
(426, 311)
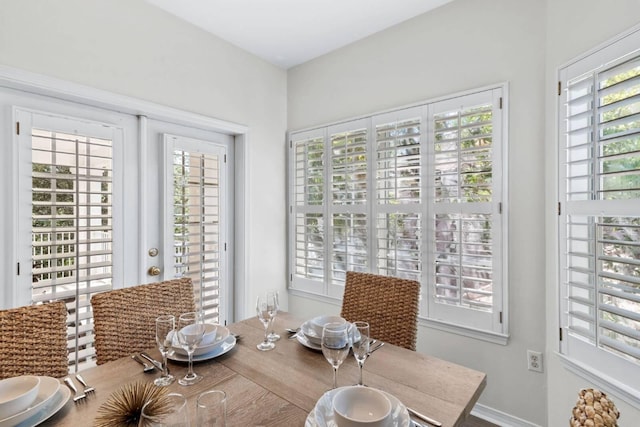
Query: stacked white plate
(323, 414)
(222, 343)
(49, 400)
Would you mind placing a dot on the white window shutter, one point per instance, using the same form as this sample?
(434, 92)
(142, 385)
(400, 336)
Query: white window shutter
(599, 226)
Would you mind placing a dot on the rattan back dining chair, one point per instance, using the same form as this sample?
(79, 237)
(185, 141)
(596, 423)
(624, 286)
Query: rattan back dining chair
(388, 304)
(33, 340)
(125, 319)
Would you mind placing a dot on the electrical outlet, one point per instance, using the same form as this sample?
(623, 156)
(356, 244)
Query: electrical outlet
(534, 360)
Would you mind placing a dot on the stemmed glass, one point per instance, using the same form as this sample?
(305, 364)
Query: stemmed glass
(273, 337)
(335, 346)
(360, 344)
(266, 307)
(190, 331)
(165, 329)
(155, 414)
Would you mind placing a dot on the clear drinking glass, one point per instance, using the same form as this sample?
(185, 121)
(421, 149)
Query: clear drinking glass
(190, 331)
(165, 329)
(273, 337)
(335, 346)
(211, 409)
(266, 309)
(360, 344)
(175, 415)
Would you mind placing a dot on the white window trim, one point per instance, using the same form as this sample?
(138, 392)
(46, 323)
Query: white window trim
(590, 367)
(310, 291)
(39, 84)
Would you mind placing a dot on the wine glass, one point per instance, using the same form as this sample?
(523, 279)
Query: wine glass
(360, 344)
(273, 337)
(335, 346)
(190, 331)
(266, 309)
(156, 414)
(165, 328)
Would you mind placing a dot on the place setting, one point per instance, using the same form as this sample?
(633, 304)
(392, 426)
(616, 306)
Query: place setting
(354, 405)
(188, 339)
(29, 400)
(309, 334)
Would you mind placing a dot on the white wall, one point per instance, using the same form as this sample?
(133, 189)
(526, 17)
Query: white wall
(462, 45)
(131, 48)
(573, 28)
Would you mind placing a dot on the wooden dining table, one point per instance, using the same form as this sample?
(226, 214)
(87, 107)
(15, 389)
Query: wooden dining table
(280, 387)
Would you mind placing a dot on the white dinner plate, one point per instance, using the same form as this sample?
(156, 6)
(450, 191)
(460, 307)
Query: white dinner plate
(51, 398)
(218, 350)
(222, 333)
(302, 339)
(322, 414)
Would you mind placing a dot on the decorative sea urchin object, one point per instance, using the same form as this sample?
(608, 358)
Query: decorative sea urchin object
(594, 409)
(124, 406)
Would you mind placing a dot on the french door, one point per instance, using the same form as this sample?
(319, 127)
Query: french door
(106, 201)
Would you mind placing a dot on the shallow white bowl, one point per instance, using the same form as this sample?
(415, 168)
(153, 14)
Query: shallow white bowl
(221, 334)
(359, 406)
(209, 334)
(17, 393)
(317, 323)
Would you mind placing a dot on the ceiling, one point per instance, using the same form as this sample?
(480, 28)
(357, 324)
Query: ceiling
(290, 32)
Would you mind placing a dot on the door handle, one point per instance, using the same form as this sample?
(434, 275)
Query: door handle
(154, 271)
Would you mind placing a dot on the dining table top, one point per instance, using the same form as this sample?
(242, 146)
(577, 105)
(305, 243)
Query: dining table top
(280, 387)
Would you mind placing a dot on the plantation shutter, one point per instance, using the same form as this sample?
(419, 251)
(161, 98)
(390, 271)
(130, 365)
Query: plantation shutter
(72, 234)
(600, 239)
(349, 198)
(465, 224)
(414, 193)
(308, 210)
(198, 239)
(399, 194)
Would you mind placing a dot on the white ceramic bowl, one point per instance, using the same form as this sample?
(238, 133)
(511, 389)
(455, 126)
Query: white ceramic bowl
(209, 334)
(359, 406)
(317, 323)
(222, 333)
(17, 393)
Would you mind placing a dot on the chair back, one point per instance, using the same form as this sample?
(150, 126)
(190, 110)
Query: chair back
(125, 319)
(388, 304)
(33, 340)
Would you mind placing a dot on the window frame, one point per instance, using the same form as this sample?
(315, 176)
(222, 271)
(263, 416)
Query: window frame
(495, 329)
(599, 366)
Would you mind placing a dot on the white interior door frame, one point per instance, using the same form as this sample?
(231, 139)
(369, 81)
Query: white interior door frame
(47, 86)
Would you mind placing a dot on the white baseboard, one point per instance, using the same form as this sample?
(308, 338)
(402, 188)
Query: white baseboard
(500, 418)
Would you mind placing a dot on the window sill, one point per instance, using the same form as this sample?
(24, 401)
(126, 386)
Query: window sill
(602, 381)
(492, 337)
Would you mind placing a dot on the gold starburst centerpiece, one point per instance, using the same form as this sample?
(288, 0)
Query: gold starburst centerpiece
(124, 406)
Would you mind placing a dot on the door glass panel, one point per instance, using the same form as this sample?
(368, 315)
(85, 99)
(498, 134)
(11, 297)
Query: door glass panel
(196, 226)
(72, 228)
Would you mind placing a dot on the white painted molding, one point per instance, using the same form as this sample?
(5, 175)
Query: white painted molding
(499, 418)
(601, 380)
(493, 337)
(50, 86)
